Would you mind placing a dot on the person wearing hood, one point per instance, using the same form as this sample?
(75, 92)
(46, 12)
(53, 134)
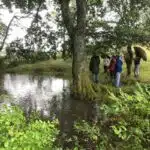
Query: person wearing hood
(119, 63)
(94, 67)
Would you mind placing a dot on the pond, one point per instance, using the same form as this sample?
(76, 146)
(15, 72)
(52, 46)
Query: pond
(50, 96)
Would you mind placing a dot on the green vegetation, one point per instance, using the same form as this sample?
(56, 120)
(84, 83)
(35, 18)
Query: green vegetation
(57, 67)
(104, 26)
(144, 73)
(62, 68)
(126, 117)
(16, 134)
(123, 123)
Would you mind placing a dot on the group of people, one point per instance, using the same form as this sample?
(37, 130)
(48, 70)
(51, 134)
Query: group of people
(112, 66)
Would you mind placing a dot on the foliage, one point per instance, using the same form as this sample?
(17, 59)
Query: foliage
(128, 24)
(129, 28)
(87, 134)
(127, 118)
(2, 30)
(16, 134)
(131, 22)
(123, 123)
(26, 5)
(40, 35)
(52, 67)
(17, 54)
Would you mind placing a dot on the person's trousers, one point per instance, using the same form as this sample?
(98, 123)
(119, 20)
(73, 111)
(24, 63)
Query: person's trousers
(112, 77)
(105, 69)
(118, 75)
(137, 70)
(95, 78)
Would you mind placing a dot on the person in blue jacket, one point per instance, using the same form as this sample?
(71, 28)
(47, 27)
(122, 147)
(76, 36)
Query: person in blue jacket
(119, 64)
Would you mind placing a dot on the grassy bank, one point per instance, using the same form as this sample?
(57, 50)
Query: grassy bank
(57, 67)
(62, 68)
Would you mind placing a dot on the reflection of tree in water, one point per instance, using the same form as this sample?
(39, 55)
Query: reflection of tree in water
(1, 83)
(27, 105)
(59, 105)
(54, 107)
(40, 81)
(72, 110)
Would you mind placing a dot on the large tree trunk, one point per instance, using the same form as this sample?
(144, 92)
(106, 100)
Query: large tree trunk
(81, 83)
(78, 62)
(79, 46)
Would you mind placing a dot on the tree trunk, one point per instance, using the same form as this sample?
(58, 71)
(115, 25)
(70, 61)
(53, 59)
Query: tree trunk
(78, 62)
(79, 46)
(82, 86)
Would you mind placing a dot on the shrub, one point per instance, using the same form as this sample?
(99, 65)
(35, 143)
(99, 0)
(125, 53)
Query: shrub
(127, 118)
(123, 125)
(16, 134)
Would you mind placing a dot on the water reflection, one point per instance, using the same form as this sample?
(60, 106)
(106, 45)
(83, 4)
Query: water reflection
(51, 97)
(35, 92)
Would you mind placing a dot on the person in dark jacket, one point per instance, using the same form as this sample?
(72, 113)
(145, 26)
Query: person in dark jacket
(118, 69)
(94, 67)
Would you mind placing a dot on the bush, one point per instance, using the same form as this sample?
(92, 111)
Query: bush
(127, 119)
(123, 124)
(16, 134)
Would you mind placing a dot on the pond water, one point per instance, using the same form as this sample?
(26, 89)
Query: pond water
(48, 95)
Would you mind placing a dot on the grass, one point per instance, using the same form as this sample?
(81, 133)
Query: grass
(62, 68)
(57, 67)
(144, 72)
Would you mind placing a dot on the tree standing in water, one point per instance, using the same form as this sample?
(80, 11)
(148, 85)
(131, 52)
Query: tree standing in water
(77, 32)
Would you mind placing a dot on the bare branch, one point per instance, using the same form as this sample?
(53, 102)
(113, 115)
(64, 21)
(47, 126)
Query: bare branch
(7, 31)
(23, 17)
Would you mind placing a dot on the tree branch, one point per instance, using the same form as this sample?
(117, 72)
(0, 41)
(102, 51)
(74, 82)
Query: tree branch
(25, 16)
(7, 31)
(67, 18)
(81, 16)
(37, 13)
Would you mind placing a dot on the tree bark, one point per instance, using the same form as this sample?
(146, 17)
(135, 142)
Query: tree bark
(79, 46)
(67, 18)
(82, 86)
